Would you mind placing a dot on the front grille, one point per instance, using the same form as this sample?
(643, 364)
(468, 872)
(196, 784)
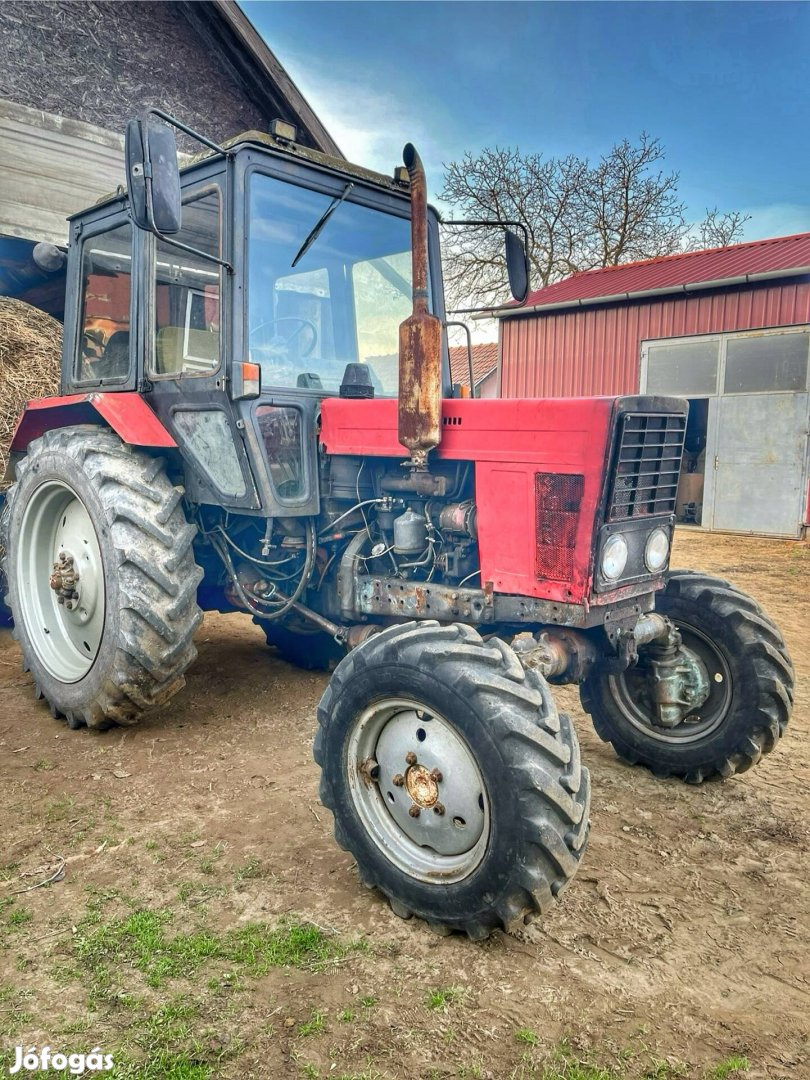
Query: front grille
(558, 497)
(647, 466)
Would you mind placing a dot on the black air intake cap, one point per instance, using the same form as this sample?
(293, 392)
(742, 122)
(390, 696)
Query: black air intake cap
(356, 382)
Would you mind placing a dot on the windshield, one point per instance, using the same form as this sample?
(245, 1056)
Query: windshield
(343, 300)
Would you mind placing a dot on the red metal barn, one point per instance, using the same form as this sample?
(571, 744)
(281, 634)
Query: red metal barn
(729, 329)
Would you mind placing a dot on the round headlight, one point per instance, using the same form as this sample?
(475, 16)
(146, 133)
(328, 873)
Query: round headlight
(656, 550)
(614, 557)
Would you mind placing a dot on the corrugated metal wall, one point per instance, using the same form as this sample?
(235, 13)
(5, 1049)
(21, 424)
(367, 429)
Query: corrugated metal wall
(596, 350)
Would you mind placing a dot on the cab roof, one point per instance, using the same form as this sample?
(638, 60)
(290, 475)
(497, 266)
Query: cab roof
(265, 141)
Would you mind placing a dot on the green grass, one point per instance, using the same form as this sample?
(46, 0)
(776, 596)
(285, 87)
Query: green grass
(527, 1036)
(14, 1014)
(314, 1026)
(733, 1066)
(163, 1065)
(20, 917)
(251, 871)
(142, 941)
(368, 1002)
(443, 999)
(345, 1016)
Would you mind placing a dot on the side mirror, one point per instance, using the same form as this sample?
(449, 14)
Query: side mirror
(517, 266)
(153, 176)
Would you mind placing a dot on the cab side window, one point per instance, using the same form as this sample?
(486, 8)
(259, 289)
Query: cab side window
(106, 284)
(187, 293)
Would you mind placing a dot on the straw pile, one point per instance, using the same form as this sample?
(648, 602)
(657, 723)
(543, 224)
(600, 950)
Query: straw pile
(30, 359)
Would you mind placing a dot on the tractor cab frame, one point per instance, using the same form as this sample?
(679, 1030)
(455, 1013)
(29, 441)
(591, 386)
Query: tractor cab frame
(194, 334)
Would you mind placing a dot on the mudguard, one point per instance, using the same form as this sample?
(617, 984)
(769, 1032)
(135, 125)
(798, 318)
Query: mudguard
(125, 412)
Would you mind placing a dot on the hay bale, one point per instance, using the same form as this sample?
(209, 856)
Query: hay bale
(30, 363)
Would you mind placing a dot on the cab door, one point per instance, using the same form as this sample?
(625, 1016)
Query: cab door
(186, 336)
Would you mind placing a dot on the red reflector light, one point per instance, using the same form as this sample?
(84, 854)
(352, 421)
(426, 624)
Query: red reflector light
(251, 379)
(558, 497)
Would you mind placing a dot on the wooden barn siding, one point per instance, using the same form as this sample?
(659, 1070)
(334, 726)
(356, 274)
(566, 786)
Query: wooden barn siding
(597, 350)
(50, 168)
(104, 61)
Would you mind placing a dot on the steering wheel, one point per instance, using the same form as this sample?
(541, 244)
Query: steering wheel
(305, 324)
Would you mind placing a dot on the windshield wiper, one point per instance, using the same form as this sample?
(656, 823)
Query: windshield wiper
(322, 220)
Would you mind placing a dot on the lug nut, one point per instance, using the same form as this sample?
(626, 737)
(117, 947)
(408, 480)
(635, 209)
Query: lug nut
(398, 780)
(410, 757)
(438, 808)
(60, 599)
(414, 811)
(436, 775)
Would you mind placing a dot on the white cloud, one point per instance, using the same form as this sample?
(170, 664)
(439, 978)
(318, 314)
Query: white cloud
(370, 125)
(777, 219)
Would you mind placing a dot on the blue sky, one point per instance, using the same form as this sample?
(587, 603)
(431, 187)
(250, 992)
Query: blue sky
(724, 85)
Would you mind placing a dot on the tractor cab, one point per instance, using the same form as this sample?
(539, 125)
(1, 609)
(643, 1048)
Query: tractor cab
(287, 268)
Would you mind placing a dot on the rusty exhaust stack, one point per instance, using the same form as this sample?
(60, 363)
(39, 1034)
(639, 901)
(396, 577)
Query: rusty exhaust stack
(420, 337)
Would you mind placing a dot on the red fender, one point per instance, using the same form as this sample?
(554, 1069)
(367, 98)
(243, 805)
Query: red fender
(125, 412)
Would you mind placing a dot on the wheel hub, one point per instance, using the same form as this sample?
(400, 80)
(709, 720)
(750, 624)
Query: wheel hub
(421, 786)
(65, 580)
(418, 789)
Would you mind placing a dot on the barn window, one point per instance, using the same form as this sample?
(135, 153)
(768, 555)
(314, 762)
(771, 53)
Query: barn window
(686, 368)
(760, 362)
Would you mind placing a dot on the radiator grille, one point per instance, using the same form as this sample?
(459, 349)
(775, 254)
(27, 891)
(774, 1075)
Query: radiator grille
(648, 464)
(558, 497)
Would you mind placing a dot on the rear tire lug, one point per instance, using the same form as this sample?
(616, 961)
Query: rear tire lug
(415, 811)
(410, 757)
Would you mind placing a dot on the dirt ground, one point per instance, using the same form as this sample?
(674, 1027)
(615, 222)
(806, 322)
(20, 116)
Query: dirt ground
(682, 943)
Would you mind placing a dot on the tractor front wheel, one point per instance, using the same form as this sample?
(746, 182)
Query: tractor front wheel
(452, 779)
(747, 693)
(101, 576)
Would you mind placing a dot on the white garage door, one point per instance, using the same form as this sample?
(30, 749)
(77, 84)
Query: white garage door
(759, 462)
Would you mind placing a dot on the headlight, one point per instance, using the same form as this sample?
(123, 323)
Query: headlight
(614, 557)
(656, 550)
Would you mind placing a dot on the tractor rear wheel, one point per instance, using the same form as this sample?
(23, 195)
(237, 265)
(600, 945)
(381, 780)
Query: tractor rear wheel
(750, 687)
(452, 779)
(101, 576)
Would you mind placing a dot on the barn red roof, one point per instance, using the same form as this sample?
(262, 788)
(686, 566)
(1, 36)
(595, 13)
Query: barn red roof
(484, 359)
(734, 265)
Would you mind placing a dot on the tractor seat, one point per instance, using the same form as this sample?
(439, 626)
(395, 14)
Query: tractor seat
(201, 352)
(114, 361)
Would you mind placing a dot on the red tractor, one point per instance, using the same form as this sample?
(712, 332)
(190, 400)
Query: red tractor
(257, 416)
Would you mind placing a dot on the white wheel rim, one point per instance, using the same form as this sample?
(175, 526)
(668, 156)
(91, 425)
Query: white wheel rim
(432, 847)
(66, 637)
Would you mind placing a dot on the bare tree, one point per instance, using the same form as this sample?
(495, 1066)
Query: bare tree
(578, 215)
(719, 230)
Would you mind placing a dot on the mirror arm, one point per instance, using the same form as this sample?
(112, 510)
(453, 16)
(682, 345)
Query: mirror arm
(175, 123)
(498, 224)
(186, 247)
(150, 210)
